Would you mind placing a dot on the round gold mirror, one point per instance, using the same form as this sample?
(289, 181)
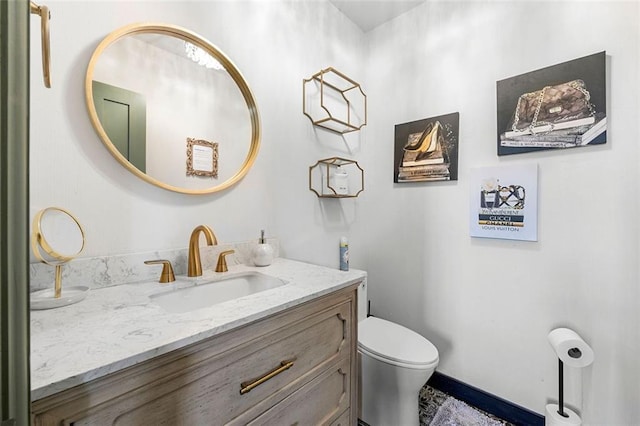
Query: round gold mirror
(172, 108)
(57, 237)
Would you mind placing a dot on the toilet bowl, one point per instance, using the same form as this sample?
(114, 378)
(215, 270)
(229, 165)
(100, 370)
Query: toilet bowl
(395, 363)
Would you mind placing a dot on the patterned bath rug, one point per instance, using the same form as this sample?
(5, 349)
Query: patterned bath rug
(456, 413)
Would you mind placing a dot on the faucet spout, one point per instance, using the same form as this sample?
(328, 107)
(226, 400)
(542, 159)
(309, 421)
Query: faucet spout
(194, 268)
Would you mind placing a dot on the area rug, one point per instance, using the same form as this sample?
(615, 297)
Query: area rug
(456, 413)
(439, 409)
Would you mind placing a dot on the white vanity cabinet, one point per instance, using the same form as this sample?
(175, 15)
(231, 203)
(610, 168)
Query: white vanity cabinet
(294, 367)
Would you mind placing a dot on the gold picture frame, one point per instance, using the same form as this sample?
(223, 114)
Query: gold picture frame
(202, 158)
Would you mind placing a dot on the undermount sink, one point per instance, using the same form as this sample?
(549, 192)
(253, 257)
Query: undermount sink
(204, 294)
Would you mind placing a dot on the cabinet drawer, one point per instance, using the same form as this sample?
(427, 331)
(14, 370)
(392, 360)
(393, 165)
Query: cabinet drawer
(208, 390)
(310, 345)
(324, 401)
(344, 419)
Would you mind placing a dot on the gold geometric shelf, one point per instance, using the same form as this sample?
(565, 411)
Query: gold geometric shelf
(322, 178)
(334, 101)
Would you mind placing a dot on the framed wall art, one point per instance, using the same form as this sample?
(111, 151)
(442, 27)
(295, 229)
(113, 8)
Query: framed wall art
(427, 150)
(504, 202)
(202, 158)
(561, 106)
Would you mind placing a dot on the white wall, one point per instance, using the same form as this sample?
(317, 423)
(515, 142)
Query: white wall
(425, 271)
(273, 44)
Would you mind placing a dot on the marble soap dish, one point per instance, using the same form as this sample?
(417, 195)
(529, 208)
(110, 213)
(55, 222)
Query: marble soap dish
(44, 299)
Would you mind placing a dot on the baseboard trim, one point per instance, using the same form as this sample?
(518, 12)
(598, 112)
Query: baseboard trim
(485, 401)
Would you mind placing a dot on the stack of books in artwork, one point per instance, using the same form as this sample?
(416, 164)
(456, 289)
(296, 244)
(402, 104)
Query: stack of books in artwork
(425, 156)
(567, 134)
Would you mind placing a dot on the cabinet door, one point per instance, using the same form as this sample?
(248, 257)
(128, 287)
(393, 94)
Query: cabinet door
(321, 402)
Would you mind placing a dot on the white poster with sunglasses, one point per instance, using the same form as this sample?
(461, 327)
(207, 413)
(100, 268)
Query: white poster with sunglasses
(504, 202)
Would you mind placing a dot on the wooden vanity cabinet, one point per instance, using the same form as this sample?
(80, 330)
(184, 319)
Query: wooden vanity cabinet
(294, 367)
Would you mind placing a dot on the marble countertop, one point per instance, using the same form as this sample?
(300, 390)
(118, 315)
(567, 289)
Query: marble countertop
(117, 327)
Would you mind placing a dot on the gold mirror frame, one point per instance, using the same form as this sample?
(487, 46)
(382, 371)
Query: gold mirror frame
(38, 240)
(186, 35)
(45, 16)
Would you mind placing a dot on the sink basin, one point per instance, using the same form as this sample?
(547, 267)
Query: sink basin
(208, 293)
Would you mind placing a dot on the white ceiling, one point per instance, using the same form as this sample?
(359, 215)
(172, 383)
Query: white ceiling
(368, 14)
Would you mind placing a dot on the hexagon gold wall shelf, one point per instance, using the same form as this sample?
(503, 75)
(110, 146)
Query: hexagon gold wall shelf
(334, 101)
(325, 174)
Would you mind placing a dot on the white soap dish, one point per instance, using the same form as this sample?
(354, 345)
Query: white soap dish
(44, 299)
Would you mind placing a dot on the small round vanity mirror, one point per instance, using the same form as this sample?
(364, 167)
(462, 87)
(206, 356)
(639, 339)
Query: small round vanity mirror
(172, 108)
(57, 237)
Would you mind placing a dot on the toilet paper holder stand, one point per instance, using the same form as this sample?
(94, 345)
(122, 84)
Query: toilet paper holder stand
(573, 353)
(570, 348)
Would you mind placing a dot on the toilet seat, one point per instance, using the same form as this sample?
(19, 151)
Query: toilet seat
(394, 344)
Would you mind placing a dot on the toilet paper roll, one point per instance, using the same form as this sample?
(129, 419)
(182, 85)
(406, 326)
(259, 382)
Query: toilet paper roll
(571, 349)
(553, 418)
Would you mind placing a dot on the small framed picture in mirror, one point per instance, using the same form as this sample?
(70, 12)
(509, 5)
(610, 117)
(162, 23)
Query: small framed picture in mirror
(202, 158)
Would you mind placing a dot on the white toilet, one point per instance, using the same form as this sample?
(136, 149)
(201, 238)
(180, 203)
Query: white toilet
(395, 363)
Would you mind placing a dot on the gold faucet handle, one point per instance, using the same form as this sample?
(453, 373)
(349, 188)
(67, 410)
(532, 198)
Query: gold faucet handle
(167, 275)
(222, 261)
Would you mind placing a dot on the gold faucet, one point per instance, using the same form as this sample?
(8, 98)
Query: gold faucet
(195, 266)
(222, 261)
(167, 275)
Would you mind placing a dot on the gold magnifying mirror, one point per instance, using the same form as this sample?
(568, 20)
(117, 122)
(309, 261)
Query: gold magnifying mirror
(172, 108)
(57, 237)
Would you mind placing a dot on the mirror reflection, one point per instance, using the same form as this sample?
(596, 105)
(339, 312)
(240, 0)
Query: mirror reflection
(153, 88)
(59, 233)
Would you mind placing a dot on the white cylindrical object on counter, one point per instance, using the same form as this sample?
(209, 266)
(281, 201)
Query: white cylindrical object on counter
(553, 418)
(262, 255)
(570, 348)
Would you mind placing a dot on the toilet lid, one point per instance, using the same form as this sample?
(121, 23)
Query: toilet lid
(395, 342)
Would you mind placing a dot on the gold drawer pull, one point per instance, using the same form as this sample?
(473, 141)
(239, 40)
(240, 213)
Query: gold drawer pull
(247, 386)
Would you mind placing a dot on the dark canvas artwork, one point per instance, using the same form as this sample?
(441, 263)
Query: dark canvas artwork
(557, 107)
(427, 150)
